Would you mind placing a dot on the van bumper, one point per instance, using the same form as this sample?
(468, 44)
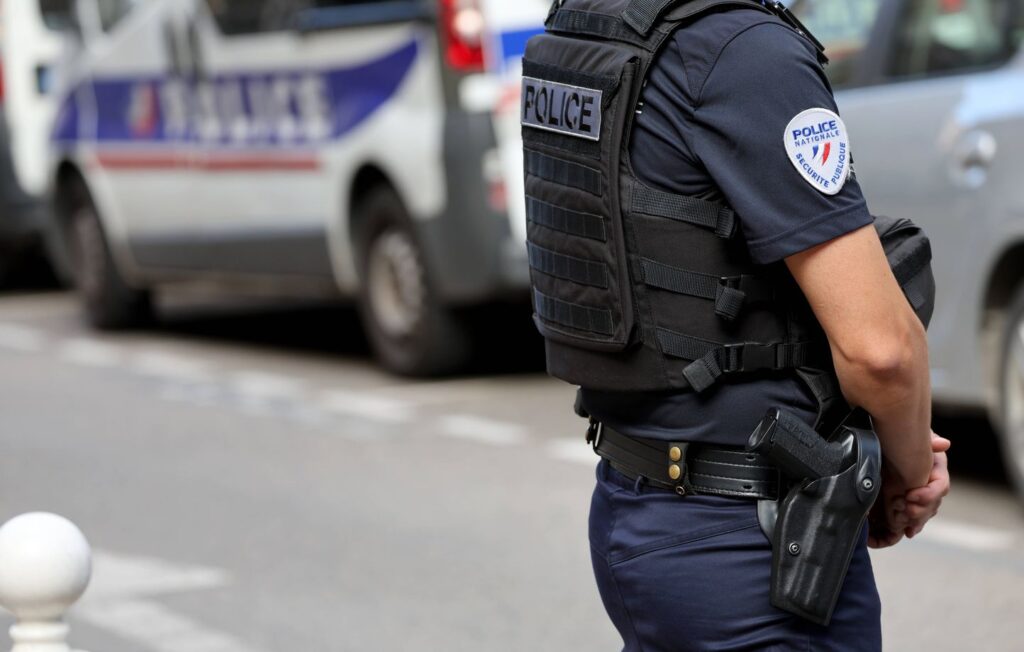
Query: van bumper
(471, 253)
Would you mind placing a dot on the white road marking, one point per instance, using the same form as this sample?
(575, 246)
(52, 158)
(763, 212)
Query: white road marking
(165, 365)
(967, 535)
(482, 430)
(20, 338)
(117, 602)
(571, 450)
(365, 405)
(119, 576)
(262, 385)
(88, 352)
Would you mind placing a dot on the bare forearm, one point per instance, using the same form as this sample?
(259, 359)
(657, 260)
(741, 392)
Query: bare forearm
(898, 398)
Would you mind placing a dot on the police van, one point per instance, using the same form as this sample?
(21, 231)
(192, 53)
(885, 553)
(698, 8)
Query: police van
(298, 147)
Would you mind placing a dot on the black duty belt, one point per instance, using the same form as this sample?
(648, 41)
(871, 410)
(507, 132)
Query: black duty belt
(685, 467)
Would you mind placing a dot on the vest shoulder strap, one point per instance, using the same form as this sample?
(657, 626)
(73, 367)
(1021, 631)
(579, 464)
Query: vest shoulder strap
(637, 22)
(643, 15)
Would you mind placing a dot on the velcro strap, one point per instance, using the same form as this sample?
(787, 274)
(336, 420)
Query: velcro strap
(577, 270)
(730, 293)
(691, 210)
(564, 173)
(916, 260)
(573, 315)
(585, 225)
(589, 23)
(641, 15)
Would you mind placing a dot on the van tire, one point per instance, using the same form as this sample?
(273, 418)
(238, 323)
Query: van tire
(109, 303)
(412, 333)
(1011, 393)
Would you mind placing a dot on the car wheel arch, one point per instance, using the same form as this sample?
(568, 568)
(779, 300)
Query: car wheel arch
(1003, 283)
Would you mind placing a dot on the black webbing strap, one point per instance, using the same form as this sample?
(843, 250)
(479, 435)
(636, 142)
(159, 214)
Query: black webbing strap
(641, 15)
(573, 315)
(711, 360)
(730, 293)
(589, 23)
(700, 212)
(563, 173)
(585, 225)
(577, 270)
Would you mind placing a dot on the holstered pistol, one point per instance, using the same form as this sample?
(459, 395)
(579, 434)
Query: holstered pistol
(835, 481)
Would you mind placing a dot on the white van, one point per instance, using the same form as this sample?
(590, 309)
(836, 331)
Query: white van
(30, 45)
(302, 146)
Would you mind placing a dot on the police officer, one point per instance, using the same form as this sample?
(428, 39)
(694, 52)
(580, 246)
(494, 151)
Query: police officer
(700, 252)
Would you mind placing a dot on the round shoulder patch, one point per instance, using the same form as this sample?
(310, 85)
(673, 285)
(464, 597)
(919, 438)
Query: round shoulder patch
(819, 148)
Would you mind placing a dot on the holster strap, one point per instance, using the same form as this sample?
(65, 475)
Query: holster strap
(700, 468)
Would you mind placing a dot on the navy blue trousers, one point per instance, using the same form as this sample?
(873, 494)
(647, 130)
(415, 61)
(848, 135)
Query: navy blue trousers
(681, 574)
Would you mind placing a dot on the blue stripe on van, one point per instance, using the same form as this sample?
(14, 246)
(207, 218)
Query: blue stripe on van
(512, 44)
(280, 108)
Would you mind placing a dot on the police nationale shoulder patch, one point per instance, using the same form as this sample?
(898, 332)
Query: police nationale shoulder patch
(559, 107)
(819, 148)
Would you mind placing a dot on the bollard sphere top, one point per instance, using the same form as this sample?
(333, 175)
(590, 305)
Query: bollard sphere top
(45, 565)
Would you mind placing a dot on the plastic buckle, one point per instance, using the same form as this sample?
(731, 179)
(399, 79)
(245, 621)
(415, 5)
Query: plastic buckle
(733, 361)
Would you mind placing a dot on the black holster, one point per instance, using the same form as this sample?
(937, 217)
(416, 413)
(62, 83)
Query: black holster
(821, 517)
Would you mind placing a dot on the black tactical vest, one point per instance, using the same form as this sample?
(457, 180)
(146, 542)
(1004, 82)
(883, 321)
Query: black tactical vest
(637, 289)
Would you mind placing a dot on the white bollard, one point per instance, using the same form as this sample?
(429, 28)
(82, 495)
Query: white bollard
(45, 565)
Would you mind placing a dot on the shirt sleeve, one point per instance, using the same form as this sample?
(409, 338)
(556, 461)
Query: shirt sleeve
(764, 77)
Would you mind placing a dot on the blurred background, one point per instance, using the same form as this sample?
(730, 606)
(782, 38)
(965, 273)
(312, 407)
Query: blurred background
(265, 332)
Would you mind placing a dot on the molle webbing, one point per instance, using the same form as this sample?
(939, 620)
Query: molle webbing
(573, 315)
(584, 225)
(570, 268)
(563, 172)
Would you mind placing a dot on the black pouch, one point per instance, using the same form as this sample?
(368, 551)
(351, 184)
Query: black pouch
(910, 255)
(821, 518)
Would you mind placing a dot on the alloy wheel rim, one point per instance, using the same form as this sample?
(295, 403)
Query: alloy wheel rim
(397, 291)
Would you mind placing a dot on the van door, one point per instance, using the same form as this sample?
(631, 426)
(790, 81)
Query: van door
(127, 89)
(31, 42)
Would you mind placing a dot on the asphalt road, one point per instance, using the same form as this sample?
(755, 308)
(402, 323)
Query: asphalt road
(253, 483)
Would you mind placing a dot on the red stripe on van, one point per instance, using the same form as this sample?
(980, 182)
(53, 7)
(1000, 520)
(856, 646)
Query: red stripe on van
(211, 163)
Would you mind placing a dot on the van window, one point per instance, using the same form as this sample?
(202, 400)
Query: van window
(58, 15)
(938, 37)
(112, 11)
(844, 27)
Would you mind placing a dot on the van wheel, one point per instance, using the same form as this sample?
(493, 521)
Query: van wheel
(108, 301)
(411, 332)
(1011, 394)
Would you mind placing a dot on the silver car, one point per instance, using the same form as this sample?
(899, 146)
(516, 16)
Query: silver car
(933, 94)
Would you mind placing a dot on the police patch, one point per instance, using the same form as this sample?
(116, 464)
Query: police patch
(562, 108)
(819, 148)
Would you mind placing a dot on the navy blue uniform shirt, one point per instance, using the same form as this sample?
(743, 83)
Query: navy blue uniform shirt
(715, 109)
